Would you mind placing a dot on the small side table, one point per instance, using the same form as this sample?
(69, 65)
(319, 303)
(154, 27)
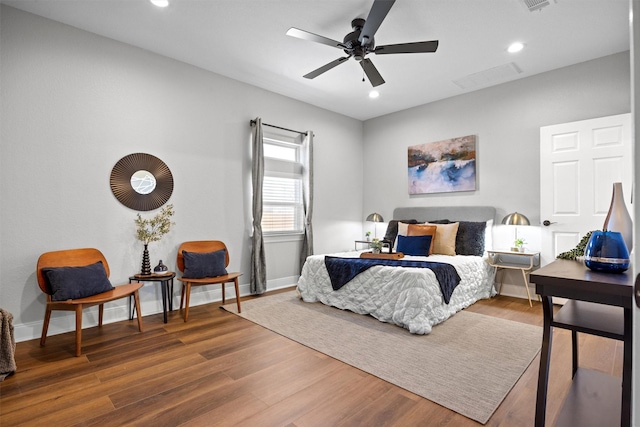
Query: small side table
(166, 284)
(361, 242)
(526, 262)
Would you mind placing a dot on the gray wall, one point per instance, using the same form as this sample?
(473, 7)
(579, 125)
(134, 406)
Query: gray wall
(506, 120)
(73, 103)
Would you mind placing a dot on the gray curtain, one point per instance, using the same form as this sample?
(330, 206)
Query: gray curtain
(307, 197)
(258, 264)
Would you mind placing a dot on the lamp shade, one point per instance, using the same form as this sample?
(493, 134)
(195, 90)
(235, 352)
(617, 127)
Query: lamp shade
(375, 217)
(515, 219)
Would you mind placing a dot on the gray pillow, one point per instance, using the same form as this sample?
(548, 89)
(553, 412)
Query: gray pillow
(198, 265)
(77, 282)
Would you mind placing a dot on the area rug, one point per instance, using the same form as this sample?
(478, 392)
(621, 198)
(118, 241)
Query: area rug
(468, 364)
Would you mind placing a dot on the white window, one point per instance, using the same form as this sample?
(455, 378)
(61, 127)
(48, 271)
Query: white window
(282, 209)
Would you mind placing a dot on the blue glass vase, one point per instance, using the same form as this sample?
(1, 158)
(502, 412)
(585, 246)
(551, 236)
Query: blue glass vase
(606, 251)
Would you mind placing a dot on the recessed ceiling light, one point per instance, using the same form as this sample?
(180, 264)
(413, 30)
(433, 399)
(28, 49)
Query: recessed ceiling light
(160, 3)
(515, 47)
(374, 94)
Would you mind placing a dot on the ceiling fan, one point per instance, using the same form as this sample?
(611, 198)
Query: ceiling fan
(360, 42)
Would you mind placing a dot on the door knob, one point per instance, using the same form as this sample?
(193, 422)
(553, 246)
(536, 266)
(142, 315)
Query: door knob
(547, 223)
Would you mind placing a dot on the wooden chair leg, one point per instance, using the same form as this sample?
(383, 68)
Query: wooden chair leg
(182, 295)
(187, 295)
(100, 314)
(136, 298)
(235, 283)
(78, 330)
(45, 325)
(223, 289)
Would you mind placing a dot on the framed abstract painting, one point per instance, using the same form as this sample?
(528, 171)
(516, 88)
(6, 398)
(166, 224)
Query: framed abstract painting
(443, 166)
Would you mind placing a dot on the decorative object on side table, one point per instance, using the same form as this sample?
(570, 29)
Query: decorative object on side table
(160, 268)
(152, 230)
(516, 219)
(518, 245)
(607, 252)
(368, 236)
(618, 218)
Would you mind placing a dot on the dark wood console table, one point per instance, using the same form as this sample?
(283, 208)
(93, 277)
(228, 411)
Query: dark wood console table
(599, 304)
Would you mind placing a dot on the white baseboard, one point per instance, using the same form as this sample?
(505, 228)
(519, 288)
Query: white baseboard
(150, 303)
(517, 291)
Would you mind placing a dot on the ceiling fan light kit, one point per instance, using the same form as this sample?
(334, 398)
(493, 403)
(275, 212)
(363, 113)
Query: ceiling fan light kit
(360, 42)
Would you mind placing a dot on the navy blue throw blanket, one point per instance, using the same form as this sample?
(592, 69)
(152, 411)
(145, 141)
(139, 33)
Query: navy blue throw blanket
(342, 270)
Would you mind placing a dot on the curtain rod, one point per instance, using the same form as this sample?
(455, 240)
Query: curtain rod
(253, 122)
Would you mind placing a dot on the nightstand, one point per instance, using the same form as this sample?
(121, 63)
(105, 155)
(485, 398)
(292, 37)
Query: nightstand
(526, 262)
(361, 242)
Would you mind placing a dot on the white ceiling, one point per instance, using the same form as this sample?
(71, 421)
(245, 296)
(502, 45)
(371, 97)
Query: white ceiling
(245, 40)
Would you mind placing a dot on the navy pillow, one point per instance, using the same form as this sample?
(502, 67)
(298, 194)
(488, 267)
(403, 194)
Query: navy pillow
(77, 282)
(414, 245)
(198, 265)
(470, 238)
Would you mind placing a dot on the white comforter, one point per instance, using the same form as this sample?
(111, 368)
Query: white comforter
(408, 297)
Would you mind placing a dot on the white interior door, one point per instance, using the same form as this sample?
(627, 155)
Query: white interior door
(579, 162)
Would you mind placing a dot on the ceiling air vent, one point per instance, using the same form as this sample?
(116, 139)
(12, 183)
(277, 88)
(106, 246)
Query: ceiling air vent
(492, 76)
(535, 4)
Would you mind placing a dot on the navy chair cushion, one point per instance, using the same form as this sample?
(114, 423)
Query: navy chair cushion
(77, 282)
(198, 265)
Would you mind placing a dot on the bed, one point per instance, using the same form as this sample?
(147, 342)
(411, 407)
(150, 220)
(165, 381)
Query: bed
(406, 296)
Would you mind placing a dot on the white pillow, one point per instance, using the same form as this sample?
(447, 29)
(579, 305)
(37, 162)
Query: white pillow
(403, 230)
(488, 237)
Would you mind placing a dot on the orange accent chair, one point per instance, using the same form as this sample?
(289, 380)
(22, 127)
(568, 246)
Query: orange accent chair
(54, 261)
(205, 247)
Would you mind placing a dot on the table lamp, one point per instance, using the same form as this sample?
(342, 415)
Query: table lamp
(375, 217)
(515, 219)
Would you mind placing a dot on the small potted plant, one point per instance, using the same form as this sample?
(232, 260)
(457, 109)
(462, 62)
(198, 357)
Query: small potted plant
(376, 245)
(368, 235)
(518, 245)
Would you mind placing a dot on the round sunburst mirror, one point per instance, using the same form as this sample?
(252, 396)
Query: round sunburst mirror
(141, 181)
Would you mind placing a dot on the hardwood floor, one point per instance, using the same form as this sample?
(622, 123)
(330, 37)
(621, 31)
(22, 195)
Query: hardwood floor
(219, 369)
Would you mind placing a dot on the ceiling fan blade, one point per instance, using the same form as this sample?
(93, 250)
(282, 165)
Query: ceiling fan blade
(372, 72)
(325, 68)
(416, 47)
(377, 14)
(305, 35)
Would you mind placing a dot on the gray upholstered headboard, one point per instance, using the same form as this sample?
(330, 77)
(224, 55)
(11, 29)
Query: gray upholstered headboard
(453, 213)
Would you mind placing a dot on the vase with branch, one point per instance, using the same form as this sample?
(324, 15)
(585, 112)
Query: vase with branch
(151, 230)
